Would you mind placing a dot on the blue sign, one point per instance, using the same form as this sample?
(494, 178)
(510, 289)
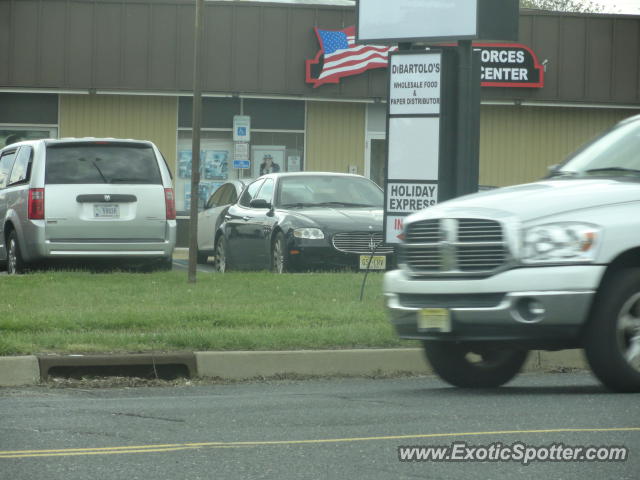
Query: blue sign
(242, 131)
(241, 164)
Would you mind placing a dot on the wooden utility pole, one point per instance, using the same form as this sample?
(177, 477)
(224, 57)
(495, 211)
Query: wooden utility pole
(195, 145)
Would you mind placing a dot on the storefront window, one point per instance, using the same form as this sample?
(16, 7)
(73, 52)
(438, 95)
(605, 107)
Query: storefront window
(216, 149)
(9, 135)
(277, 144)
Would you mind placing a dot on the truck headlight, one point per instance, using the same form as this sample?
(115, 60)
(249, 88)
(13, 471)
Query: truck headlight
(309, 233)
(565, 242)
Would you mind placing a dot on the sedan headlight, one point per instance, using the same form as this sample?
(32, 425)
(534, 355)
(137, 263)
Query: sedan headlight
(308, 233)
(566, 242)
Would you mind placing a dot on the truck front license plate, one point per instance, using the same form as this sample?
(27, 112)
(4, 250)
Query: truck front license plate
(438, 319)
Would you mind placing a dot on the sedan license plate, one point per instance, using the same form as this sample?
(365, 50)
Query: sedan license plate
(434, 319)
(378, 262)
(106, 211)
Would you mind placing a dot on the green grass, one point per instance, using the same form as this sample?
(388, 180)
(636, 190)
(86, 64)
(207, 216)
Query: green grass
(81, 312)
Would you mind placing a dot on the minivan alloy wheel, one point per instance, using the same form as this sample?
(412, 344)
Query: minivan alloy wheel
(14, 259)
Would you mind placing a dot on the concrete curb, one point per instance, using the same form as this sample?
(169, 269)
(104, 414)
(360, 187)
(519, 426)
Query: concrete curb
(180, 253)
(31, 370)
(239, 365)
(16, 371)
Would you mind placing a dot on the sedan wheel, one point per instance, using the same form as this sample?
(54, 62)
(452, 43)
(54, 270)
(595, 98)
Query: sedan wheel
(279, 262)
(220, 264)
(15, 264)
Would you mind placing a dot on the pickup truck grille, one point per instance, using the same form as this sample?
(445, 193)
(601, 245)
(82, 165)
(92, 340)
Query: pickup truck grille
(454, 246)
(360, 242)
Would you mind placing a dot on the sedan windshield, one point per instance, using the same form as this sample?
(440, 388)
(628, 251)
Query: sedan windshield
(329, 191)
(615, 154)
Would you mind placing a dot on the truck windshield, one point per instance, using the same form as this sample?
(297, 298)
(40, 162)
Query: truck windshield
(614, 154)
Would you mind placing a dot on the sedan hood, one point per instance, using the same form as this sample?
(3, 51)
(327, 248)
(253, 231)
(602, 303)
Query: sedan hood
(541, 199)
(341, 219)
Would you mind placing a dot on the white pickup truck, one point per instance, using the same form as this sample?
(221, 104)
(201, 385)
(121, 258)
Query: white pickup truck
(549, 265)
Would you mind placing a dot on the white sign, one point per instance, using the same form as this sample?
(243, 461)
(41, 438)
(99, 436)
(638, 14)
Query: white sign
(413, 158)
(293, 163)
(241, 128)
(415, 89)
(241, 151)
(411, 197)
(414, 148)
(393, 226)
(414, 20)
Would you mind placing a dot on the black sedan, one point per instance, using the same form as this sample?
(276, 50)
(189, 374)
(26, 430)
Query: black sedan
(300, 221)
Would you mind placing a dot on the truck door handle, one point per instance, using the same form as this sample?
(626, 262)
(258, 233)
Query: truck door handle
(246, 219)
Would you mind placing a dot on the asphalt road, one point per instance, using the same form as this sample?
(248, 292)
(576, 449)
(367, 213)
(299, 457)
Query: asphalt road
(314, 429)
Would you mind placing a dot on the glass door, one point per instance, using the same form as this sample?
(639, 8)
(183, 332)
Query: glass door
(376, 151)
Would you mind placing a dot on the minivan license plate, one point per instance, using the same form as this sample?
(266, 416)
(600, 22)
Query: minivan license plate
(378, 262)
(434, 319)
(106, 211)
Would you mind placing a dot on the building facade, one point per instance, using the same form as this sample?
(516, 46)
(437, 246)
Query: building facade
(107, 68)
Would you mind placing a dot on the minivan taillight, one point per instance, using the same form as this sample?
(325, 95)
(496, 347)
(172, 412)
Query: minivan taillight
(170, 203)
(36, 204)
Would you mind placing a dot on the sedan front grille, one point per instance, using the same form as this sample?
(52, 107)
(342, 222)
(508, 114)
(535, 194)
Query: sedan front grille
(360, 242)
(454, 246)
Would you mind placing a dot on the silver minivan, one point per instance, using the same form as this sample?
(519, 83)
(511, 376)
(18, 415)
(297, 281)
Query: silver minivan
(85, 198)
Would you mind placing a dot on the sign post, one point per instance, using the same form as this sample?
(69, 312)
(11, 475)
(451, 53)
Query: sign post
(433, 116)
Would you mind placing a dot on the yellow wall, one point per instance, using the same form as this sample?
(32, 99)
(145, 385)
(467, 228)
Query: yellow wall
(122, 116)
(517, 144)
(335, 136)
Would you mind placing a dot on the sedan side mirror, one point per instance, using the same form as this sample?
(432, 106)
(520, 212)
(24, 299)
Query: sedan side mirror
(259, 203)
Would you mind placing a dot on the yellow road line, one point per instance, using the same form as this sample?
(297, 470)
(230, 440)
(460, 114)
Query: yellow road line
(186, 446)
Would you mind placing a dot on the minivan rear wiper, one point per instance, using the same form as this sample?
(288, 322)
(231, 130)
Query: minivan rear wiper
(104, 179)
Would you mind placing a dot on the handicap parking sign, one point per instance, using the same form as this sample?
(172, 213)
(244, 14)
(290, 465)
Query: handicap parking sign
(241, 128)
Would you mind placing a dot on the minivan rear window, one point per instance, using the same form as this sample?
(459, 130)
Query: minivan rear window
(101, 163)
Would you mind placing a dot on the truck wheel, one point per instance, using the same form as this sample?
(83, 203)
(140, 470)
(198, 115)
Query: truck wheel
(612, 341)
(454, 363)
(15, 264)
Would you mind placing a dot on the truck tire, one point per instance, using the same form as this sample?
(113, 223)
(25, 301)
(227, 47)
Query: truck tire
(451, 362)
(612, 337)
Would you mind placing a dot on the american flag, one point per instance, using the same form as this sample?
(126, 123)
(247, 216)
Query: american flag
(342, 57)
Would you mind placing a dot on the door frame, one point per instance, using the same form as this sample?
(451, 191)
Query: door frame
(367, 150)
